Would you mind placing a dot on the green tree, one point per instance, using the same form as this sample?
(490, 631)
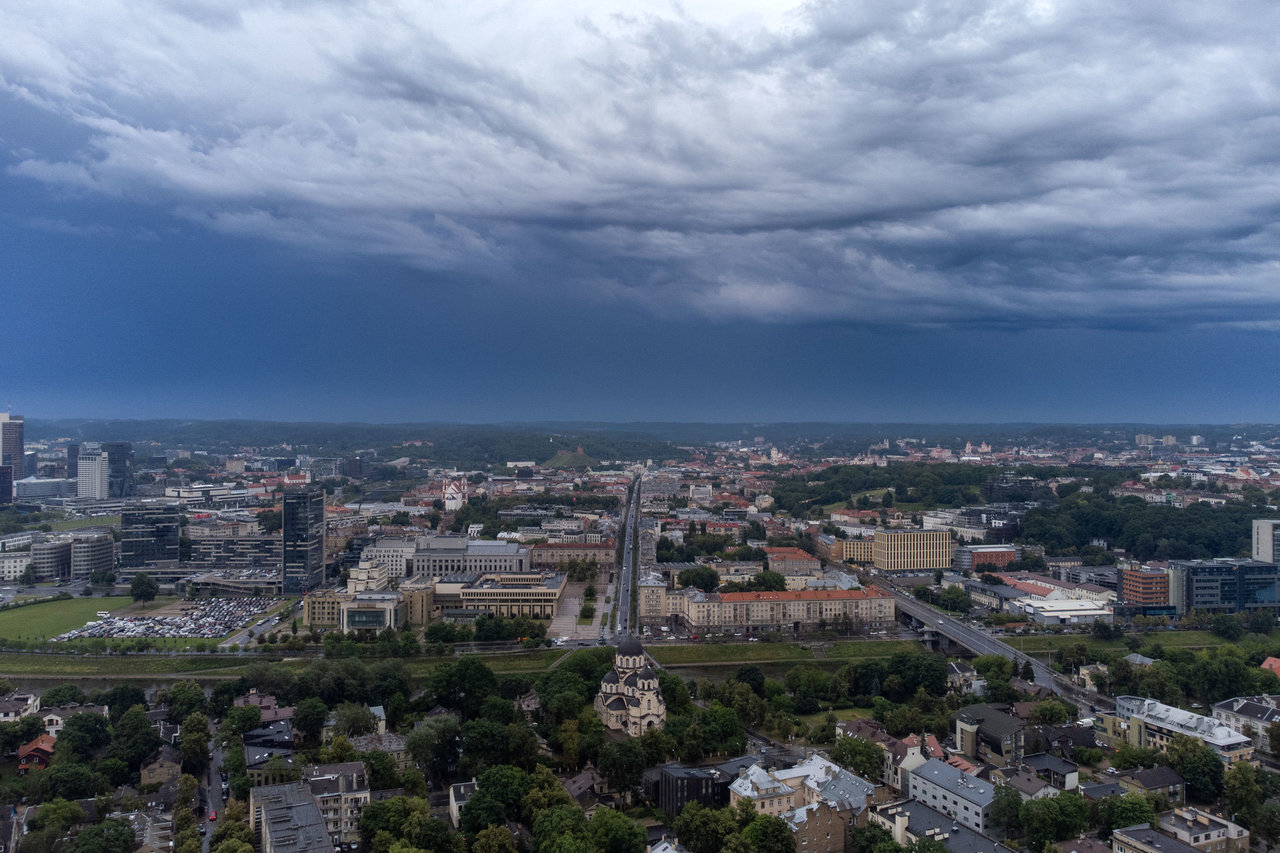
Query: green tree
(83, 735)
(110, 836)
(353, 718)
(496, 839)
(309, 718)
(1242, 792)
(769, 834)
(562, 821)
(704, 578)
(612, 832)
(1129, 810)
(1006, 812)
(143, 588)
(859, 755)
(1198, 766)
(193, 744)
(63, 694)
(133, 739)
(184, 699)
(622, 765)
(703, 830)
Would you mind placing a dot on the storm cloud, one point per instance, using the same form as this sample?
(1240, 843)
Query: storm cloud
(1084, 164)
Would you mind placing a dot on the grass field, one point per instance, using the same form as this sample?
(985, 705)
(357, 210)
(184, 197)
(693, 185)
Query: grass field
(1048, 643)
(817, 717)
(871, 648)
(77, 523)
(726, 653)
(49, 619)
(123, 665)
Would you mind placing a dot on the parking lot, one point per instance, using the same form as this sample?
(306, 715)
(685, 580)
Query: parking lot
(211, 619)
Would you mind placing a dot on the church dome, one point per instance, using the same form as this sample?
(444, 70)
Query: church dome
(630, 647)
(648, 673)
(611, 677)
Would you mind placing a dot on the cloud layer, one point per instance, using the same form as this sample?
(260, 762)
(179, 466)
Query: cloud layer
(1016, 163)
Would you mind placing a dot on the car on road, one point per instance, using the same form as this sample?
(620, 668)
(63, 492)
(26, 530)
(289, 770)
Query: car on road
(213, 816)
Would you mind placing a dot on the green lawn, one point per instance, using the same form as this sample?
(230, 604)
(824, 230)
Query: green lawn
(1048, 643)
(726, 653)
(122, 665)
(49, 619)
(76, 523)
(814, 719)
(871, 648)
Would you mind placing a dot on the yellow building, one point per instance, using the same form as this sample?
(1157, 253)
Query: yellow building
(912, 550)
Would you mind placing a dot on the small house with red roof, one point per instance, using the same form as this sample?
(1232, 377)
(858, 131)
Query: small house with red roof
(37, 754)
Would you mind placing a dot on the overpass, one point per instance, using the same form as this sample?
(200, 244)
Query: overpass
(936, 623)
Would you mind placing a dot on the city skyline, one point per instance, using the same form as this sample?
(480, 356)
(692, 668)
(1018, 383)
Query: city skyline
(724, 213)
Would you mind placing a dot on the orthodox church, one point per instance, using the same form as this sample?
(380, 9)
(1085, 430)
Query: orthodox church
(629, 699)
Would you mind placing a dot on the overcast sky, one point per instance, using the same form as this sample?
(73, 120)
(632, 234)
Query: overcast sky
(871, 210)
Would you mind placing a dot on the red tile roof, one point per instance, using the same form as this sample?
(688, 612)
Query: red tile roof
(806, 595)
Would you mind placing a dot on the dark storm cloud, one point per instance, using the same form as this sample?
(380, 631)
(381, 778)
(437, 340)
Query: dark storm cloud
(1009, 163)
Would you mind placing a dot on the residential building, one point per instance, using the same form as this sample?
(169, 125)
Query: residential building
(55, 718)
(1206, 832)
(1062, 774)
(1251, 716)
(1153, 725)
(389, 742)
(737, 612)
(13, 449)
(629, 699)
(1143, 839)
(911, 820)
(36, 754)
(460, 794)
(912, 551)
(341, 792)
(303, 532)
(166, 767)
(1154, 780)
(989, 733)
(288, 820)
(1266, 540)
(792, 561)
(967, 799)
(836, 550)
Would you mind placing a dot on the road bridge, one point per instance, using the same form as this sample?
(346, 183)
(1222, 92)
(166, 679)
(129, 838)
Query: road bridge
(935, 625)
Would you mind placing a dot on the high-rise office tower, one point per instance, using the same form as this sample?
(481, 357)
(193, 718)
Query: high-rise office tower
(73, 457)
(148, 536)
(303, 531)
(6, 484)
(12, 444)
(119, 468)
(92, 480)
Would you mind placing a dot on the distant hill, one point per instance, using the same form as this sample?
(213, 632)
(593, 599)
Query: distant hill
(575, 460)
